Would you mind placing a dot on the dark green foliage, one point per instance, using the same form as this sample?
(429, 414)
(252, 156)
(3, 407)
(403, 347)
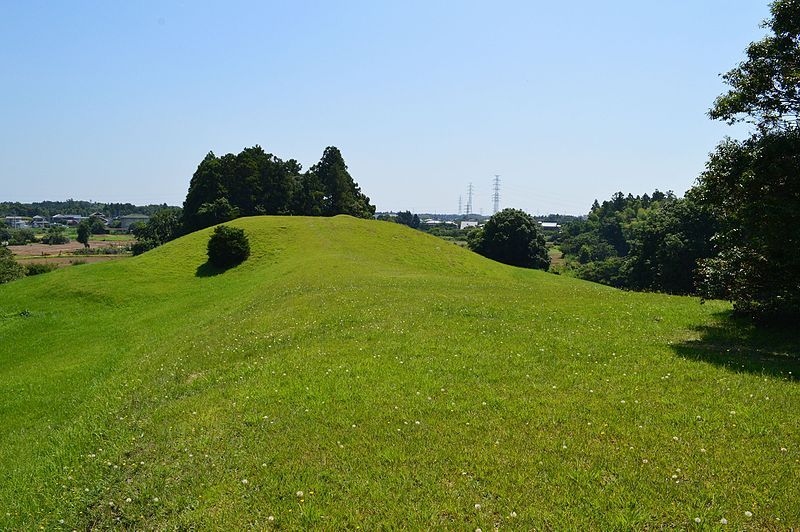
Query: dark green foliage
(342, 194)
(764, 88)
(610, 271)
(406, 218)
(163, 226)
(255, 182)
(228, 246)
(84, 232)
(141, 246)
(666, 244)
(512, 237)
(9, 268)
(20, 237)
(96, 226)
(55, 235)
(649, 242)
(218, 211)
(753, 187)
(83, 208)
(40, 268)
(5, 232)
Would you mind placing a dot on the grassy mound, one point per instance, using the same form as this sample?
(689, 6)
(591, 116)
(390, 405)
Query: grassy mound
(358, 373)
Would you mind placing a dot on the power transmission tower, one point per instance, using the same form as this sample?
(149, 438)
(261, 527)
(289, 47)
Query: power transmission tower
(459, 205)
(496, 194)
(469, 199)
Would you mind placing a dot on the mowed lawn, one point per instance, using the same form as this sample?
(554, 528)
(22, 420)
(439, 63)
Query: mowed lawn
(361, 374)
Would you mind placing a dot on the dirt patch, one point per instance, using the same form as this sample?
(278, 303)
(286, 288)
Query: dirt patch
(69, 260)
(46, 250)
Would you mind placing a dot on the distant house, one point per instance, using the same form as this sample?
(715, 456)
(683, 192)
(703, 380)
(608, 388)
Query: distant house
(67, 219)
(467, 223)
(40, 222)
(100, 216)
(550, 226)
(16, 222)
(125, 222)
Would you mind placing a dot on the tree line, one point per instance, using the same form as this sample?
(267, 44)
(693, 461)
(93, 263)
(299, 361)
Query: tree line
(648, 242)
(49, 209)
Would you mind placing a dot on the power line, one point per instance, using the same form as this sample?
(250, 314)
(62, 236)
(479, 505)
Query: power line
(469, 199)
(496, 194)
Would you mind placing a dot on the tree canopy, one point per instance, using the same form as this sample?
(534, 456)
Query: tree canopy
(753, 186)
(512, 237)
(648, 242)
(764, 87)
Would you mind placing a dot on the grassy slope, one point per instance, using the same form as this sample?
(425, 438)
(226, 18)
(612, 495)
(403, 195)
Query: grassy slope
(390, 376)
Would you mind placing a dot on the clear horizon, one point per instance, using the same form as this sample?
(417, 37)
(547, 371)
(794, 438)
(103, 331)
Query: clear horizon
(567, 103)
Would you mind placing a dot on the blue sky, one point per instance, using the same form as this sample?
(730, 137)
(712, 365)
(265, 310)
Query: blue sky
(567, 101)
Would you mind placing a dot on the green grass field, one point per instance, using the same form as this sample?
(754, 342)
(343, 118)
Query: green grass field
(361, 374)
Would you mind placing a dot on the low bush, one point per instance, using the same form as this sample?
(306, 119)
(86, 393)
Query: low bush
(38, 268)
(20, 237)
(141, 246)
(228, 246)
(105, 250)
(55, 235)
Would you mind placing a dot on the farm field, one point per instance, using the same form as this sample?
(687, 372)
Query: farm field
(358, 373)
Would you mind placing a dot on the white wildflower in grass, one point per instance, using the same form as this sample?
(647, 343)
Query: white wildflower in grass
(477, 506)
(675, 438)
(244, 481)
(644, 460)
(723, 521)
(696, 519)
(748, 513)
(299, 493)
(784, 449)
(128, 499)
(271, 518)
(513, 514)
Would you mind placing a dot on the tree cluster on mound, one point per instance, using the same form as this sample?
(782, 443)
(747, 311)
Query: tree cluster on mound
(255, 182)
(252, 183)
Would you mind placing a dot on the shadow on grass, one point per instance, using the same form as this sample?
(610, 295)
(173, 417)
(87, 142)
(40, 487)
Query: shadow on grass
(209, 270)
(740, 346)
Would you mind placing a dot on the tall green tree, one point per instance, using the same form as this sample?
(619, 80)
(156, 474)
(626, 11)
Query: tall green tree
(207, 185)
(84, 232)
(753, 186)
(342, 194)
(765, 87)
(9, 268)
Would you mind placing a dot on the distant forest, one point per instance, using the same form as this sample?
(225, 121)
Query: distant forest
(71, 206)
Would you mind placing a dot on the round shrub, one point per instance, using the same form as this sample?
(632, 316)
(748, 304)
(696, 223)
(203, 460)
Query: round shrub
(228, 246)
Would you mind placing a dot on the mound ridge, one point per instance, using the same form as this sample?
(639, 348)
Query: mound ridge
(391, 377)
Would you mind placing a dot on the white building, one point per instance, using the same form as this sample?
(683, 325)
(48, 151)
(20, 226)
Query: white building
(467, 223)
(16, 222)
